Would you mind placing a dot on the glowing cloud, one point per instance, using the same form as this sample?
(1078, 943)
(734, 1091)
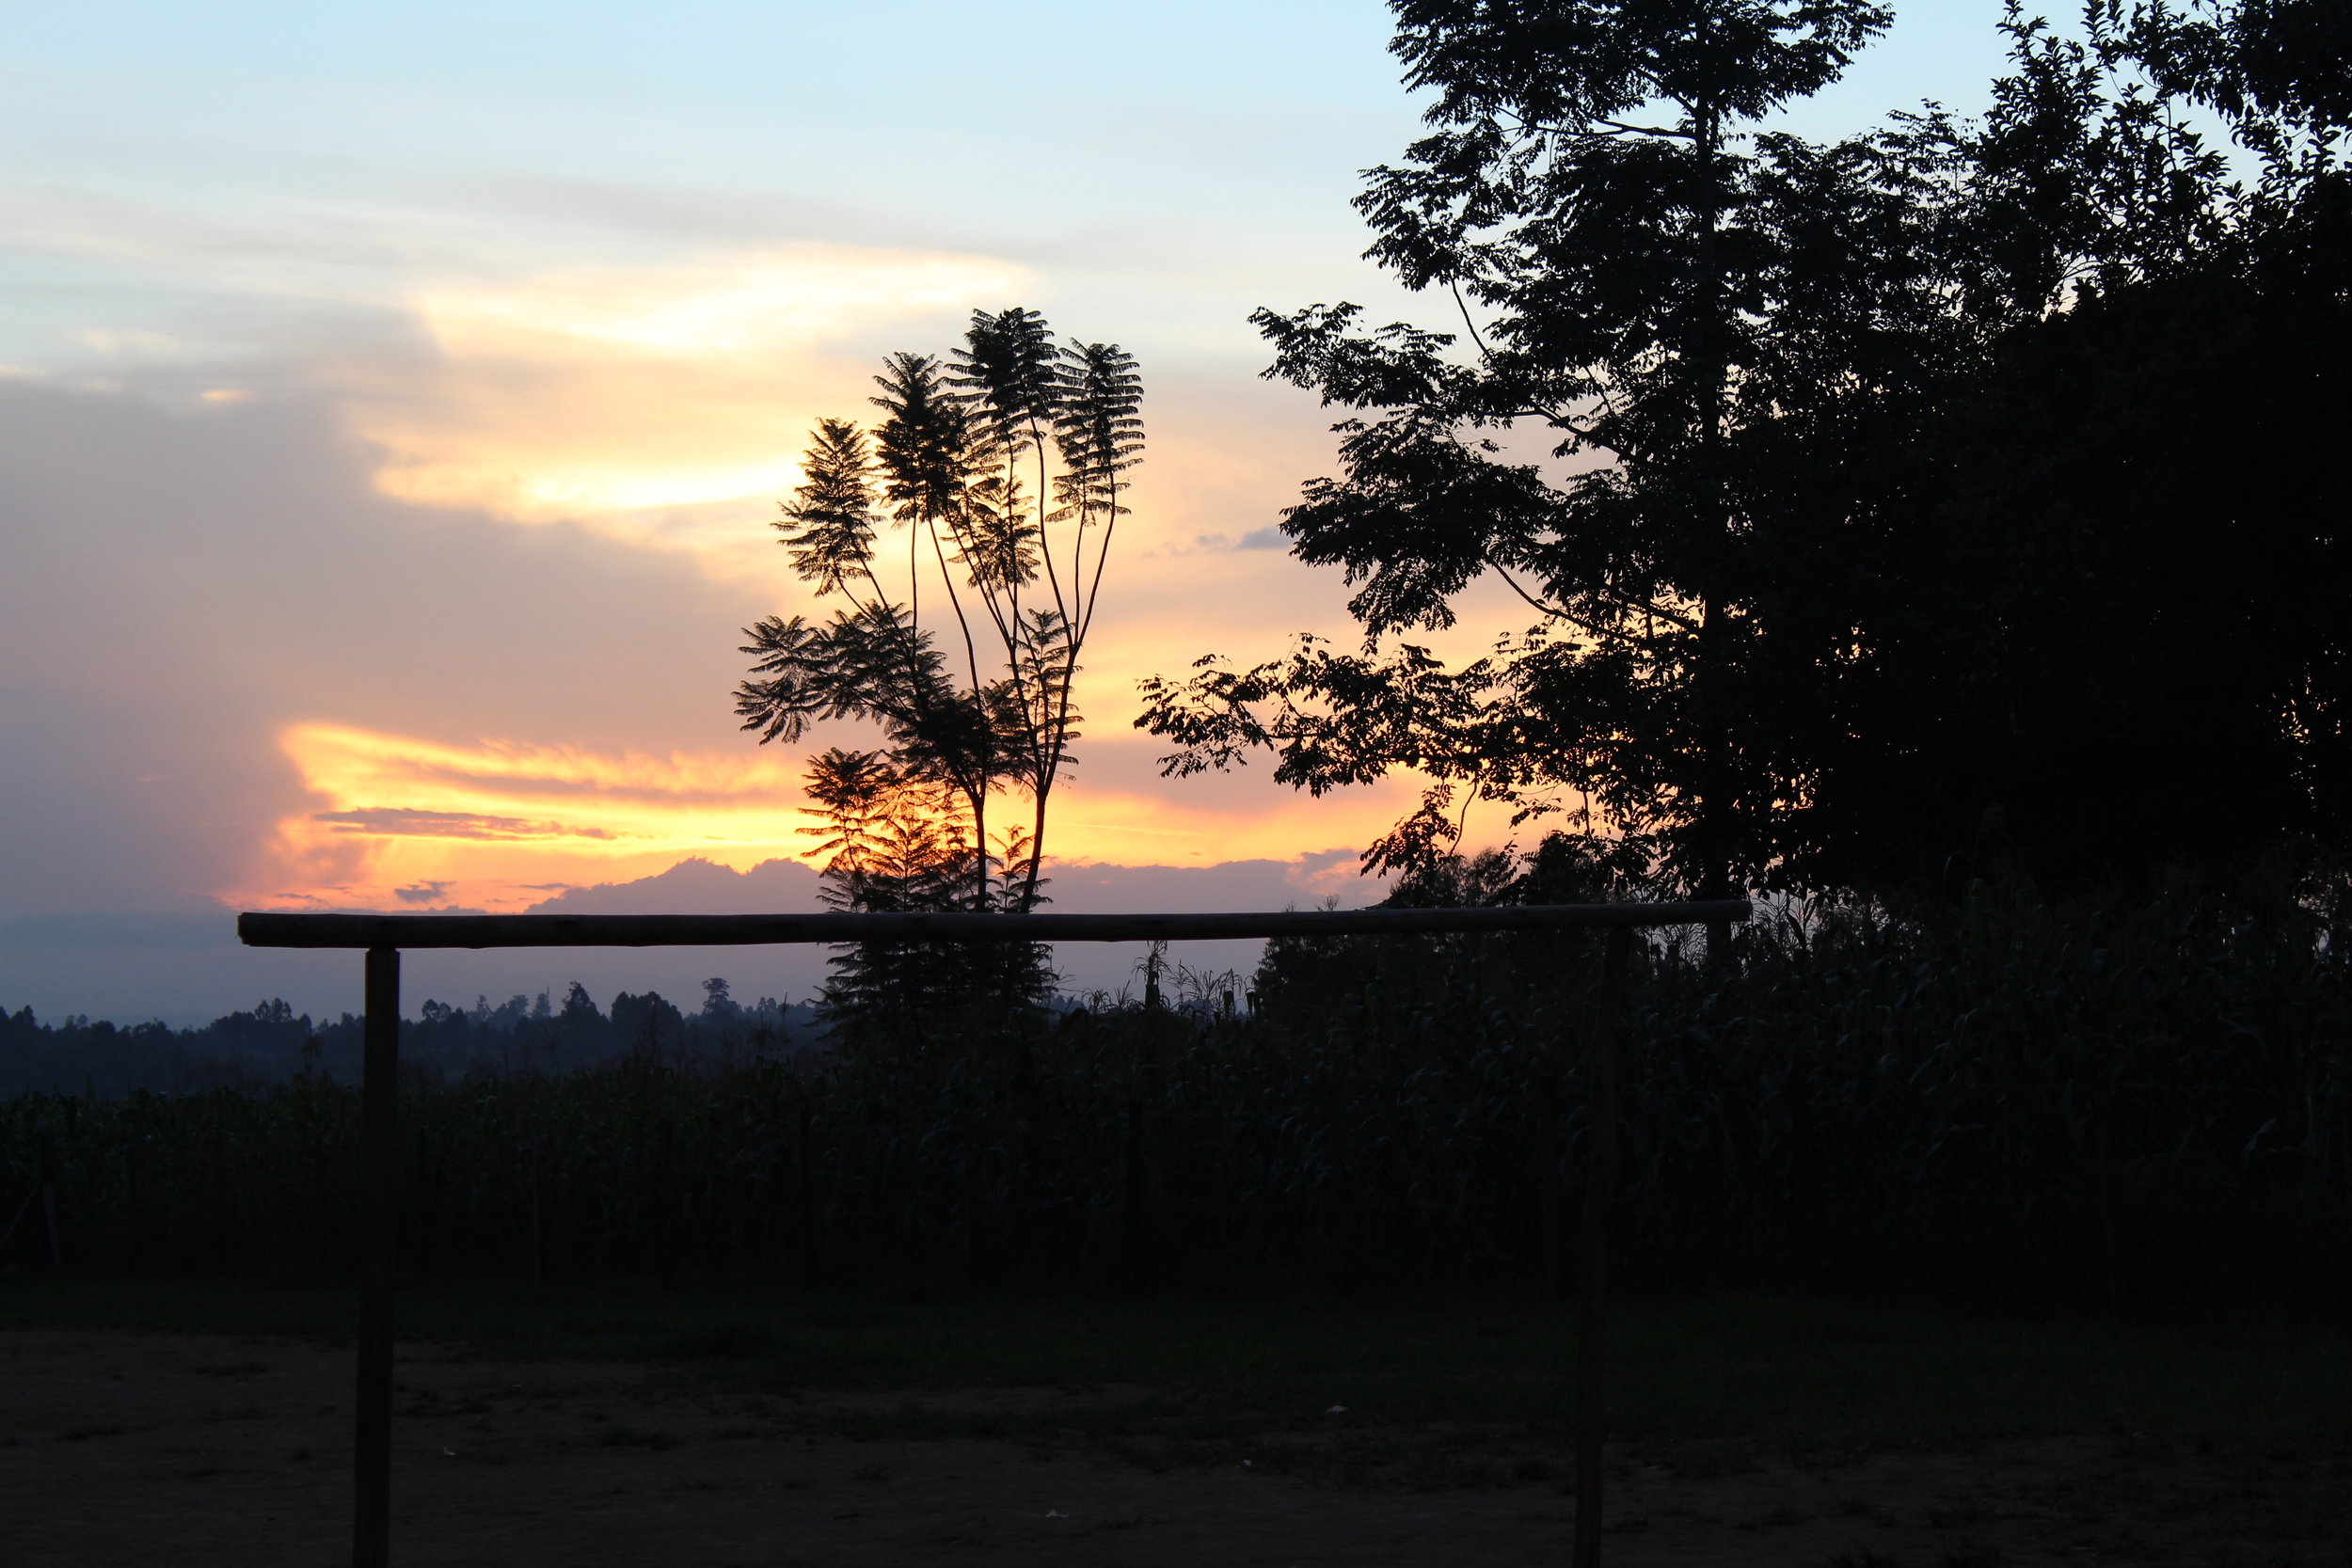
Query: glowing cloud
(739, 307)
(493, 823)
(394, 822)
(624, 396)
(404, 822)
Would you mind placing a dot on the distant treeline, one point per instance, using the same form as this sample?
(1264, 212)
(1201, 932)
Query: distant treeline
(272, 1042)
(2144, 1102)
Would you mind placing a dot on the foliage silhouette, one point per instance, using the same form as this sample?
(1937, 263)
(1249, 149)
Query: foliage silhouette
(1867, 470)
(964, 459)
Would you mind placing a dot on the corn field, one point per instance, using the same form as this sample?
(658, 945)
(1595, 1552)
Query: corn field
(2033, 1104)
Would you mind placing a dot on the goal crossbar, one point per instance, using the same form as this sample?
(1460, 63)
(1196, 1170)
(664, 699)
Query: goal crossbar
(738, 931)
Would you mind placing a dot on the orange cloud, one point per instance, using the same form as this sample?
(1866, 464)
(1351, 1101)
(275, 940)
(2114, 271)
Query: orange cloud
(403, 821)
(390, 821)
(496, 823)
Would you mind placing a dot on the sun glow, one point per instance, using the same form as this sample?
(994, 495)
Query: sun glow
(400, 822)
(500, 824)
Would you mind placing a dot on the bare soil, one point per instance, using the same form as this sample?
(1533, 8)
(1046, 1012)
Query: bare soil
(118, 1449)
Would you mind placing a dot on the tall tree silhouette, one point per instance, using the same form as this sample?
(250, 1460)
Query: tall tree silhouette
(1004, 464)
(1590, 206)
(1837, 441)
(1098, 431)
(872, 660)
(1027, 400)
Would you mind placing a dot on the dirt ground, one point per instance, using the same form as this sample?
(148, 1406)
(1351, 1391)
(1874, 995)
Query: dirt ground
(121, 1449)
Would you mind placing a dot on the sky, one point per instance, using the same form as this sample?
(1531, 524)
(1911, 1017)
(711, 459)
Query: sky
(394, 400)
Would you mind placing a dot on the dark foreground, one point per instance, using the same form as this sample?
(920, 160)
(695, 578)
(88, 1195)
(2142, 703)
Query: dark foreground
(1815, 1436)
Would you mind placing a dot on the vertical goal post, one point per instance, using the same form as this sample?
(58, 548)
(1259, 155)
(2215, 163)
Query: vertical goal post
(383, 937)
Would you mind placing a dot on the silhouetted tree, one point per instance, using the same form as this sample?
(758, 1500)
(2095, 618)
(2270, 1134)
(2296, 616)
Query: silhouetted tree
(1021, 566)
(2105, 631)
(872, 661)
(1881, 480)
(893, 850)
(1589, 203)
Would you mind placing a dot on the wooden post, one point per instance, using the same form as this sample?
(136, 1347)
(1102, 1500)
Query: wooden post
(1591, 1284)
(727, 931)
(379, 1236)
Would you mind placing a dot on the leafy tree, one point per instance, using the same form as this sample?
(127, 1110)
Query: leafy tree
(580, 1013)
(1836, 442)
(719, 1003)
(1309, 975)
(893, 849)
(1591, 204)
(1022, 394)
(1006, 467)
(2104, 634)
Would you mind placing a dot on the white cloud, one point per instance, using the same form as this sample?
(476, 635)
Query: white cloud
(608, 392)
(726, 306)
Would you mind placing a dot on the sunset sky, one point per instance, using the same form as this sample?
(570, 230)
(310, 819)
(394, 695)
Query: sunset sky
(394, 400)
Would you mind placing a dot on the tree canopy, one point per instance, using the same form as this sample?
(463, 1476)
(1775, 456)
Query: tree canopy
(1867, 494)
(1005, 464)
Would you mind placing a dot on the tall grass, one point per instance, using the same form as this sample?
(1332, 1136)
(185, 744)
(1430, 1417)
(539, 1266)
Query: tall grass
(2018, 1100)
